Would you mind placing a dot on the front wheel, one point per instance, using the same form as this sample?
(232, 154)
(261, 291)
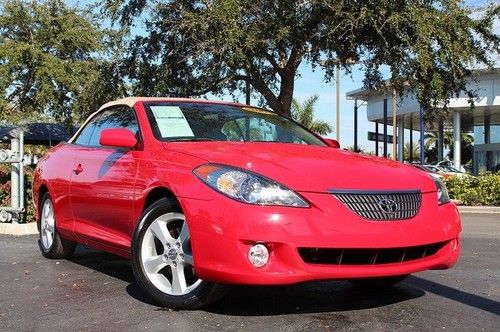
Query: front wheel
(380, 282)
(162, 260)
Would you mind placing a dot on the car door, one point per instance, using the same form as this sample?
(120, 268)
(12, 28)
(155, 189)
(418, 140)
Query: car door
(102, 185)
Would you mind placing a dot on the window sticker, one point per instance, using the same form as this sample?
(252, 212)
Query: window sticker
(171, 121)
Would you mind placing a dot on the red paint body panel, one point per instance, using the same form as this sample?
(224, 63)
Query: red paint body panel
(221, 238)
(102, 195)
(101, 205)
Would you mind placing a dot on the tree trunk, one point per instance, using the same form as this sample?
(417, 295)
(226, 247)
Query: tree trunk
(286, 93)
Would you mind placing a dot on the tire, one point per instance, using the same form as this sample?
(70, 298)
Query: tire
(162, 260)
(51, 244)
(381, 282)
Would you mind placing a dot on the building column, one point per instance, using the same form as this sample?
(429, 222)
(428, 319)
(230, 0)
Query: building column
(440, 140)
(457, 158)
(376, 138)
(422, 135)
(487, 129)
(487, 140)
(401, 138)
(385, 127)
(355, 125)
(395, 129)
(411, 138)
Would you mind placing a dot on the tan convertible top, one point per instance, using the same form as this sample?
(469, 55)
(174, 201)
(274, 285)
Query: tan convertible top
(131, 101)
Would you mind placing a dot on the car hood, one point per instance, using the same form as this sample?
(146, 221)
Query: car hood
(310, 168)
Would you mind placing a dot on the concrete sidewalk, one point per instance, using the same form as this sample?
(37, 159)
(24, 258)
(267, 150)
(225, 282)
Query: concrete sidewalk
(18, 229)
(479, 209)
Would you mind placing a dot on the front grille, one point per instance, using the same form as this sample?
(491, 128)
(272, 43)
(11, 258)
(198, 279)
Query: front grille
(368, 256)
(381, 205)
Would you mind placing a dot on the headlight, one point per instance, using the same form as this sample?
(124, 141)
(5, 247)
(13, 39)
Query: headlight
(247, 187)
(442, 192)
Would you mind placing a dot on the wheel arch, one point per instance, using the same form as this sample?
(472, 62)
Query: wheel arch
(158, 193)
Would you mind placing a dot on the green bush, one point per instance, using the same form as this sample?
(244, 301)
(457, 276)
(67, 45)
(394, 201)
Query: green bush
(483, 189)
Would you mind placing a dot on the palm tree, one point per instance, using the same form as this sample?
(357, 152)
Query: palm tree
(467, 143)
(304, 114)
(415, 147)
(359, 149)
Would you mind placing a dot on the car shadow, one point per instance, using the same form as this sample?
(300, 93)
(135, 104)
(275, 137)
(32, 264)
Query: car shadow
(323, 296)
(103, 262)
(111, 265)
(310, 297)
(457, 295)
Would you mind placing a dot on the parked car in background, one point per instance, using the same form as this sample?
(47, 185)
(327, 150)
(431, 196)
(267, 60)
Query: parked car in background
(446, 168)
(203, 194)
(447, 171)
(429, 169)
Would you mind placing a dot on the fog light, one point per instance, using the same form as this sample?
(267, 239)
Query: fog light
(258, 255)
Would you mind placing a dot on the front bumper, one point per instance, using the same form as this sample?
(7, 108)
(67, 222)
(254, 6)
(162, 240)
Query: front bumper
(222, 230)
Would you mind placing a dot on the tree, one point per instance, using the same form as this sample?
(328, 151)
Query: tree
(52, 62)
(413, 149)
(191, 47)
(359, 149)
(304, 114)
(467, 145)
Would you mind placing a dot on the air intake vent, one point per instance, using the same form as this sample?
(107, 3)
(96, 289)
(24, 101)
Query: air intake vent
(381, 205)
(335, 256)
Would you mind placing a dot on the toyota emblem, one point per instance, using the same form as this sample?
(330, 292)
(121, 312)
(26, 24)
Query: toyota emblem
(388, 205)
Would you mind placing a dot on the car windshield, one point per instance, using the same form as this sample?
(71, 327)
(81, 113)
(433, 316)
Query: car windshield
(174, 121)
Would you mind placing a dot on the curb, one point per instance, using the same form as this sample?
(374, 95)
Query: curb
(18, 229)
(479, 209)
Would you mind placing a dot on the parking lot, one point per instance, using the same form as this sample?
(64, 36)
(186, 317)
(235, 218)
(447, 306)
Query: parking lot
(96, 291)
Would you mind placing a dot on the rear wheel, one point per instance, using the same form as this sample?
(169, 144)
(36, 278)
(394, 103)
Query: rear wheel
(380, 282)
(51, 244)
(162, 260)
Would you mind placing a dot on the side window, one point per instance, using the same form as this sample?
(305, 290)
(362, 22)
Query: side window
(121, 117)
(84, 137)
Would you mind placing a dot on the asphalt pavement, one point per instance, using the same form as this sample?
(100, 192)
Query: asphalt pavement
(95, 291)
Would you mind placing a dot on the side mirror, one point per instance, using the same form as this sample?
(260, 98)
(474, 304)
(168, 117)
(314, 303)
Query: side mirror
(332, 143)
(118, 137)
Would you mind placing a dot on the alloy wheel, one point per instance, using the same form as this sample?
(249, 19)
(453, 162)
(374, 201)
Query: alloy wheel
(47, 224)
(166, 255)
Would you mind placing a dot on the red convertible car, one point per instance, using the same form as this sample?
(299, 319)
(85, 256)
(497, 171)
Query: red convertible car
(203, 194)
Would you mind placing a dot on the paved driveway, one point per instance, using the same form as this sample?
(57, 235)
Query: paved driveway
(96, 291)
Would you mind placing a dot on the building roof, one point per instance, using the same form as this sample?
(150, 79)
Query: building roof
(364, 93)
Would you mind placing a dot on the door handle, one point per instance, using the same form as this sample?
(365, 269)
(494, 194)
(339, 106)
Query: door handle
(78, 169)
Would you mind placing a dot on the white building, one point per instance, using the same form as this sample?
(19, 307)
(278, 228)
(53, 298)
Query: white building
(483, 120)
